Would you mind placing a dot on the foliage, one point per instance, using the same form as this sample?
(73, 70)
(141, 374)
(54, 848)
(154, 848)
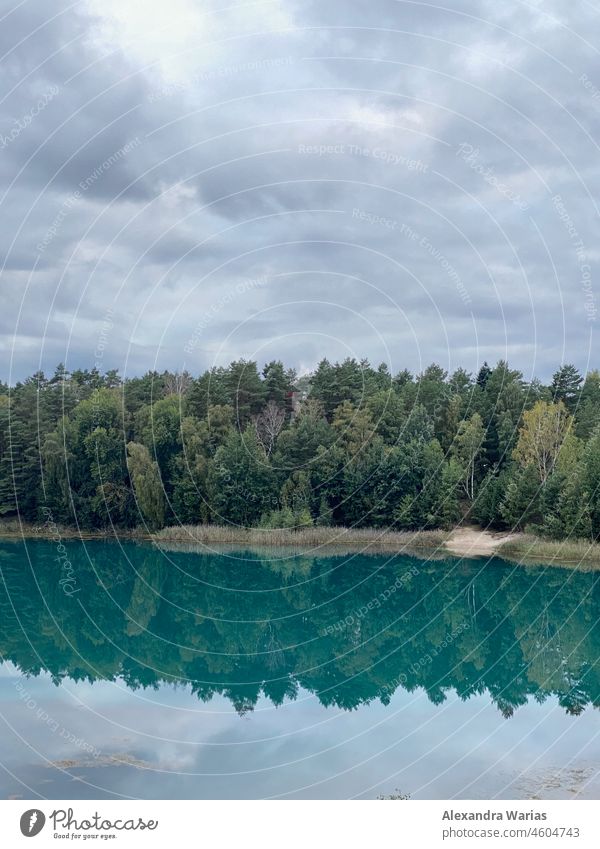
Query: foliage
(467, 448)
(349, 445)
(566, 386)
(145, 477)
(541, 437)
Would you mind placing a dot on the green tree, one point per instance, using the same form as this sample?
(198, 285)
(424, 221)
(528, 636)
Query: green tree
(85, 457)
(520, 505)
(447, 507)
(501, 403)
(346, 381)
(483, 375)
(146, 480)
(159, 428)
(490, 494)
(354, 428)
(241, 480)
(566, 386)
(467, 449)
(211, 389)
(278, 383)
(299, 444)
(587, 414)
(296, 493)
(325, 515)
(386, 410)
(190, 478)
(246, 391)
(362, 448)
(105, 452)
(418, 426)
(19, 467)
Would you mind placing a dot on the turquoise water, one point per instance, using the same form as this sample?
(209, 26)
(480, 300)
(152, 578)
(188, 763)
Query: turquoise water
(133, 672)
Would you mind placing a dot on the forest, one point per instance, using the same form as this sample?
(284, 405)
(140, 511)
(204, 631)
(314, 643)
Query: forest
(347, 445)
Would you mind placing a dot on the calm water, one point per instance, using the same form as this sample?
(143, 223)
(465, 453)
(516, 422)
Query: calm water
(189, 675)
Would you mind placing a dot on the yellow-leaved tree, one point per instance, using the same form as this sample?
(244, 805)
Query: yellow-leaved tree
(541, 437)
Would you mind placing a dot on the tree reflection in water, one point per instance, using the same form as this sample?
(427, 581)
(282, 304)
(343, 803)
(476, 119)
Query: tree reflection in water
(243, 625)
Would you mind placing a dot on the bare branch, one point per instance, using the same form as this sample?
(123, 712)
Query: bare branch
(268, 424)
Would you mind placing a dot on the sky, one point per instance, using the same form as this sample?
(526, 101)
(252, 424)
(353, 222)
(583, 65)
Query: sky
(187, 183)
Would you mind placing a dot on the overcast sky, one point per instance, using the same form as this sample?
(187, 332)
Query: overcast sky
(189, 182)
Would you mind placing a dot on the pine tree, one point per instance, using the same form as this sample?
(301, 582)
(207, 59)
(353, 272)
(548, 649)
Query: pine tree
(566, 386)
(483, 375)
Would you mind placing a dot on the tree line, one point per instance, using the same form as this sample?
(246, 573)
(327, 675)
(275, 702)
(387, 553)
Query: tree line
(349, 444)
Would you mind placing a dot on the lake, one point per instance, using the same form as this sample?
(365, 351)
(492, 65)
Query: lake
(133, 672)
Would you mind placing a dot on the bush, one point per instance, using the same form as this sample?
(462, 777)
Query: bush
(286, 518)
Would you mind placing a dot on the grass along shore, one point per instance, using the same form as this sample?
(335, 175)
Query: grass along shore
(350, 539)
(14, 529)
(521, 547)
(528, 548)
(226, 535)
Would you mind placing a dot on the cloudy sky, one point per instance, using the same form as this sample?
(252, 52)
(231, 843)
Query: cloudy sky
(189, 182)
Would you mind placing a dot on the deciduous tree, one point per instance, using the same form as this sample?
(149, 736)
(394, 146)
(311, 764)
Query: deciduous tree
(541, 437)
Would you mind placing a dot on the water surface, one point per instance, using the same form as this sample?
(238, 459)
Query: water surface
(133, 672)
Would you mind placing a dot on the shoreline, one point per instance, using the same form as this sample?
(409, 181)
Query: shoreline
(464, 541)
(217, 535)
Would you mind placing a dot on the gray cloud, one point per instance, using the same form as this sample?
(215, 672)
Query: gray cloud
(316, 147)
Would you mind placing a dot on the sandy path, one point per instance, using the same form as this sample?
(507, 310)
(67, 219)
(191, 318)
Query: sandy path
(470, 541)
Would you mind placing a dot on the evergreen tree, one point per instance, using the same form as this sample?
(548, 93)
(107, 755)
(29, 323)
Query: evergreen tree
(587, 414)
(486, 506)
(566, 386)
(483, 375)
(386, 410)
(520, 505)
(501, 405)
(447, 508)
(299, 444)
(332, 385)
(241, 481)
(278, 383)
(360, 449)
(211, 389)
(246, 391)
